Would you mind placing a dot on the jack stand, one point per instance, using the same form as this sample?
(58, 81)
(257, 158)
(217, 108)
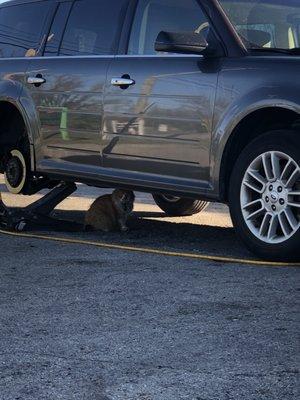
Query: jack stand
(36, 215)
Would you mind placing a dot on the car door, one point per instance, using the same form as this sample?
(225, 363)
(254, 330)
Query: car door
(67, 83)
(161, 124)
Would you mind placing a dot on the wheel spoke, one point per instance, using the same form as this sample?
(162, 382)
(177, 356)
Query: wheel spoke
(291, 218)
(250, 186)
(258, 182)
(273, 227)
(264, 228)
(267, 166)
(294, 193)
(256, 176)
(293, 178)
(296, 205)
(256, 213)
(275, 166)
(252, 204)
(283, 224)
(285, 170)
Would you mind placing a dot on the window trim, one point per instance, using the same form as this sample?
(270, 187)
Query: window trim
(55, 11)
(65, 28)
(48, 25)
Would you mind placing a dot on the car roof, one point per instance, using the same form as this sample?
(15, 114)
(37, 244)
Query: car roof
(7, 3)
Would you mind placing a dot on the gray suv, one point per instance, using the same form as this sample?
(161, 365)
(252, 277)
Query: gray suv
(191, 100)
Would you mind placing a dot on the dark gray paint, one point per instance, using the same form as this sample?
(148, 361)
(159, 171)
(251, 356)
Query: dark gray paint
(186, 106)
(162, 124)
(73, 90)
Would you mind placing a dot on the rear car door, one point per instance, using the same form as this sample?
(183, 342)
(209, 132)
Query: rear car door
(162, 123)
(80, 45)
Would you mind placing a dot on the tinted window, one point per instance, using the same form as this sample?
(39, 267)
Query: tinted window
(154, 16)
(265, 23)
(21, 29)
(93, 27)
(57, 29)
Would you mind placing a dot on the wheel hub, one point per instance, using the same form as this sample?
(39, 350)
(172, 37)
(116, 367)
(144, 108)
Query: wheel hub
(14, 171)
(275, 197)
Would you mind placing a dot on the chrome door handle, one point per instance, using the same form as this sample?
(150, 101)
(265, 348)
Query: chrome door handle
(122, 82)
(36, 80)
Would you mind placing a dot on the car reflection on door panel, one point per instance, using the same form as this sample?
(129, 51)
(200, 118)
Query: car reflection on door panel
(162, 123)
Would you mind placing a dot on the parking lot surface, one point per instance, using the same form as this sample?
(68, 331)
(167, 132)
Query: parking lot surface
(80, 322)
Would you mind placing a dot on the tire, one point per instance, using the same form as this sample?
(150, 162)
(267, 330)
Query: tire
(179, 206)
(264, 196)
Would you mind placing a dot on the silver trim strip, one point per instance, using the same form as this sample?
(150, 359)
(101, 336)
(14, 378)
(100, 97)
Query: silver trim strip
(122, 82)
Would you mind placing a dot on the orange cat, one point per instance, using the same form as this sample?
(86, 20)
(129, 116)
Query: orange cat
(110, 212)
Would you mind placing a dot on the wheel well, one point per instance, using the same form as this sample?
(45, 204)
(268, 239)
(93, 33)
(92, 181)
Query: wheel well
(248, 129)
(12, 130)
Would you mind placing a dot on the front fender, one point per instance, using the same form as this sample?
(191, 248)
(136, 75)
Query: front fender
(226, 122)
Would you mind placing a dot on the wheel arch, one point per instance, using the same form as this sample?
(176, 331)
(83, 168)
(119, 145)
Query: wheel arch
(12, 110)
(249, 127)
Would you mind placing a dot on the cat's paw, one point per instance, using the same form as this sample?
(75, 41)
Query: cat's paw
(124, 229)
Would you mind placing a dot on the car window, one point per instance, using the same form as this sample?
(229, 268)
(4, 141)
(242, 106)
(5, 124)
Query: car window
(265, 23)
(57, 29)
(21, 28)
(93, 27)
(154, 16)
(245, 31)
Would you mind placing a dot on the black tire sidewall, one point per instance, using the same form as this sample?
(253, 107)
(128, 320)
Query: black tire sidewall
(289, 143)
(182, 207)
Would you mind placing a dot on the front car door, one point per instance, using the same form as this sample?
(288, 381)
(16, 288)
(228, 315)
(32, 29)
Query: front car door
(80, 45)
(161, 125)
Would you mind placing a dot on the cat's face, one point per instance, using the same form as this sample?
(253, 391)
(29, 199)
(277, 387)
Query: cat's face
(124, 199)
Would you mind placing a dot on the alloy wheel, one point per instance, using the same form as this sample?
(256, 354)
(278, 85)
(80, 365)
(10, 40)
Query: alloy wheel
(270, 197)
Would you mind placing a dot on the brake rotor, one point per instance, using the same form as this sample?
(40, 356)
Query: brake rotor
(15, 172)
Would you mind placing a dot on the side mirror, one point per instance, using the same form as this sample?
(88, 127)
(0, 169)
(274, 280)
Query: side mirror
(184, 42)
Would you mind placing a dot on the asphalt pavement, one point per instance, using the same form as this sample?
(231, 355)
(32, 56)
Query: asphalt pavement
(79, 322)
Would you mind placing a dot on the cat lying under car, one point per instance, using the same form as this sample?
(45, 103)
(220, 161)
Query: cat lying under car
(110, 212)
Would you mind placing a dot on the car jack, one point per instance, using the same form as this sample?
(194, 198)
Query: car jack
(37, 215)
